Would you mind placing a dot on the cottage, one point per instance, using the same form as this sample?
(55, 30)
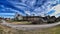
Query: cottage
(58, 19)
(18, 17)
(36, 19)
(31, 18)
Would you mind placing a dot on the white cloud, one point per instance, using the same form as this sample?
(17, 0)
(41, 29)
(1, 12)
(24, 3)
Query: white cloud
(13, 10)
(57, 9)
(38, 11)
(28, 12)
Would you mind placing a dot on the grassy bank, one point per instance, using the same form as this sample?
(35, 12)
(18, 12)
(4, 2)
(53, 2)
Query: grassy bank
(8, 30)
(19, 22)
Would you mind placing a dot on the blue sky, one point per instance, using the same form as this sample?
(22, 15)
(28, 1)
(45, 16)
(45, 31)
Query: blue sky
(7, 15)
(30, 7)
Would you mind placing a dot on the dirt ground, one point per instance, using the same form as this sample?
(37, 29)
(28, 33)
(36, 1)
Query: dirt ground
(8, 30)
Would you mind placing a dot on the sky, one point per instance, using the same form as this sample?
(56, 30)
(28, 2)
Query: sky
(30, 7)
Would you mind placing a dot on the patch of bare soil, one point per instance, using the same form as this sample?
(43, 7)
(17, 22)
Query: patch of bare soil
(8, 30)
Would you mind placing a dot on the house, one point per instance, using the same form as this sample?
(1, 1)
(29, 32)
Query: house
(31, 18)
(58, 19)
(52, 19)
(36, 19)
(18, 17)
(45, 20)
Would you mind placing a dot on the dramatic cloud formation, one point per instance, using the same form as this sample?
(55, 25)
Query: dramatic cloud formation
(57, 10)
(30, 7)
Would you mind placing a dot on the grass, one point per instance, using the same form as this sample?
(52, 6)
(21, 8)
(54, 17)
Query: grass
(8, 30)
(22, 22)
(19, 22)
(52, 30)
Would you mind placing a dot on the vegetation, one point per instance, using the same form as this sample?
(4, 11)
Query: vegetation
(8, 30)
(18, 22)
(42, 20)
(32, 19)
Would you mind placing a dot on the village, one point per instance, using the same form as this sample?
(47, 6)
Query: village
(32, 19)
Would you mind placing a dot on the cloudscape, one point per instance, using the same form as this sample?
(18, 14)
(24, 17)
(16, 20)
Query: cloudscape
(30, 7)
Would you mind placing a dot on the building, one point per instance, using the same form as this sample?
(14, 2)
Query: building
(31, 18)
(52, 19)
(1, 18)
(18, 16)
(36, 19)
(58, 19)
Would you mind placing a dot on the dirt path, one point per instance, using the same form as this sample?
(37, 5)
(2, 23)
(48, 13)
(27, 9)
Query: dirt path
(28, 27)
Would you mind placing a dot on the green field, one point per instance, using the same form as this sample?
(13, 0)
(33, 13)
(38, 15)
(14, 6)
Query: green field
(8, 30)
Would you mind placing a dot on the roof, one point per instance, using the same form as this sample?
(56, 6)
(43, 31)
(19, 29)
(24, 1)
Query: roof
(32, 16)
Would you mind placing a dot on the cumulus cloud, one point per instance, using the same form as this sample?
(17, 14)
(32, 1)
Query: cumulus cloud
(28, 12)
(30, 7)
(57, 9)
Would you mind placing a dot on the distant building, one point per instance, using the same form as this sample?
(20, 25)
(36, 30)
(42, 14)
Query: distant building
(18, 16)
(31, 18)
(52, 19)
(7, 19)
(36, 19)
(58, 19)
(1, 18)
